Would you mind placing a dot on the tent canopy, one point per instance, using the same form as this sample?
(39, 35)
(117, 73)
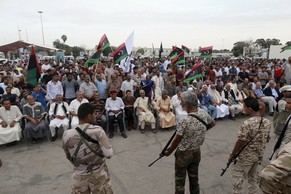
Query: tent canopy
(21, 44)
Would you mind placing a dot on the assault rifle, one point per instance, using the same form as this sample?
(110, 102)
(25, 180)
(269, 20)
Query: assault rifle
(281, 137)
(233, 159)
(164, 149)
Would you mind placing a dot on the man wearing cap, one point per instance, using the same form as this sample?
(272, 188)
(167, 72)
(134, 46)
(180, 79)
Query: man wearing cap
(115, 106)
(282, 113)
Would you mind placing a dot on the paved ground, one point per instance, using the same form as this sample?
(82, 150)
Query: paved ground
(43, 169)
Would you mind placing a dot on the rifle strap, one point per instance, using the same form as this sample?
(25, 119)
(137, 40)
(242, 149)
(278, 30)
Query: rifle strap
(78, 146)
(203, 122)
(84, 136)
(282, 135)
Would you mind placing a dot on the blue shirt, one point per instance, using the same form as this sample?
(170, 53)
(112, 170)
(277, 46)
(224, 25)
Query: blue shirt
(101, 87)
(39, 97)
(205, 99)
(259, 92)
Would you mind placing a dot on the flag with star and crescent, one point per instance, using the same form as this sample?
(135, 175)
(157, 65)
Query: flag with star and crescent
(103, 43)
(120, 53)
(206, 52)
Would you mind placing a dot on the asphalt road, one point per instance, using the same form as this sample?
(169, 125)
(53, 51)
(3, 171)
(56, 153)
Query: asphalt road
(42, 168)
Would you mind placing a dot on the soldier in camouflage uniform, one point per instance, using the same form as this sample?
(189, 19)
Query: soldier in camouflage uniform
(252, 155)
(90, 170)
(189, 137)
(276, 177)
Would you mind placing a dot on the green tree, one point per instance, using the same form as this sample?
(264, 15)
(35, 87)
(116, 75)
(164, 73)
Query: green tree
(57, 43)
(64, 38)
(140, 51)
(76, 50)
(267, 43)
(238, 47)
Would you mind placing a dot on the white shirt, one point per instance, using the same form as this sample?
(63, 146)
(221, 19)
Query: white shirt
(45, 67)
(114, 105)
(74, 105)
(53, 89)
(9, 115)
(128, 85)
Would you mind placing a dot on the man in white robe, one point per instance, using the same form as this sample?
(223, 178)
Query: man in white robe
(164, 107)
(10, 116)
(222, 109)
(179, 112)
(74, 105)
(58, 112)
(144, 112)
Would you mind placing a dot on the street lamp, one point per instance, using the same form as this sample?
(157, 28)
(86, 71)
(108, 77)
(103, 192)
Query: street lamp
(40, 12)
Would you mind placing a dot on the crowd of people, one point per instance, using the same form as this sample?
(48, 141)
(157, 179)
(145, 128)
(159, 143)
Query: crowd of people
(142, 91)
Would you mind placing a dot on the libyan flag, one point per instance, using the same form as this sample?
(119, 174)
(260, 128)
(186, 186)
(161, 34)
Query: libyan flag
(94, 59)
(120, 53)
(196, 73)
(103, 43)
(286, 47)
(206, 52)
(33, 69)
(177, 56)
(186, 49)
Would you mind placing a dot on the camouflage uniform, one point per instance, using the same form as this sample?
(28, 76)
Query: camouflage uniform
(188, 152)
(90, 170)
(252, 155)
(276, 177)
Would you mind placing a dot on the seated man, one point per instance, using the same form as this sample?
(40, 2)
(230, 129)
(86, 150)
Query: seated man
(12, 97)
(270, 100)
(128, 101)
(272, 90)
(36, 126)
(114, 106)
(176, 101)
(99, 106)
(58, 113)
(222, 109)
(229, 98)
(144, 112)
(10, 130)
(206, 102)
(74, 105)
(164, 107)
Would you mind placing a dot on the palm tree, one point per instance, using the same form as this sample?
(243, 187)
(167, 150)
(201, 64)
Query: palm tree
(64, 38)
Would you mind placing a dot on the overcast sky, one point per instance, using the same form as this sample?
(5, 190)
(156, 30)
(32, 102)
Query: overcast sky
(189, 22)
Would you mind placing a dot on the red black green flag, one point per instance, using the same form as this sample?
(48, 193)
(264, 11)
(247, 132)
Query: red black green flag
(103, 43)
(120, 53)
(93, 60)
(33, 69)
(186, 49)
(206, 52)
(196, 72)
(177, 56)
(286, 47)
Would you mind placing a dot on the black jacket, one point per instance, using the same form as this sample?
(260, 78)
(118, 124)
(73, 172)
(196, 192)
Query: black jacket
(268, 92)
